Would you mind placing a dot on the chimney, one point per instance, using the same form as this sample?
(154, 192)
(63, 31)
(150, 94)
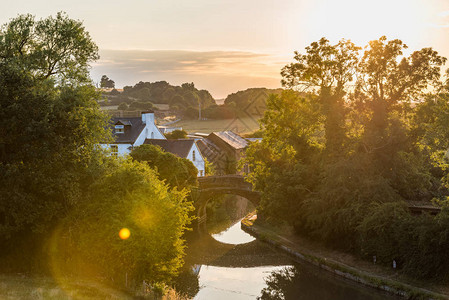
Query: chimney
(148, 117)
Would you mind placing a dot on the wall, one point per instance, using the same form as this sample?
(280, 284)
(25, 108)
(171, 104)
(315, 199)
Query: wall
(123, 149)
(199, 160)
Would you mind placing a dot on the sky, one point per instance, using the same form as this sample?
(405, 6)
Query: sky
(226, 46)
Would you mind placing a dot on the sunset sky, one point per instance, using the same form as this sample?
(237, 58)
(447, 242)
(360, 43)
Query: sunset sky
(226, 46)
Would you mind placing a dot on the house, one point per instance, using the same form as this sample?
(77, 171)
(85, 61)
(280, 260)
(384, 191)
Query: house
(224, 149)
(130, 132)
(185, 148)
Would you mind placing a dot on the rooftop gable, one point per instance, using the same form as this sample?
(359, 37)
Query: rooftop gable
(232, 139)
(179, 148)
(132, 132)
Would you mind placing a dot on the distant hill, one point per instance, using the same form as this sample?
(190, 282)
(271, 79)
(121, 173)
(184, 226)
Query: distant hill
(143, 95)
(242, 104)
(183, 100)
(251, 100)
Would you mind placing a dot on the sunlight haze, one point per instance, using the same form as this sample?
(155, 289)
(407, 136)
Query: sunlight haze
(226, 46)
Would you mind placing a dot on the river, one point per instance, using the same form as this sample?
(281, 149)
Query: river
(231, 264)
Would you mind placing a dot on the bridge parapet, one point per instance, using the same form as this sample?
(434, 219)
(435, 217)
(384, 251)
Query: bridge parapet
(210, 186)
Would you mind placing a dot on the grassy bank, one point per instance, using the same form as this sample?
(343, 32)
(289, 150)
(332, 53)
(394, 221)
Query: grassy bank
(343, 264)
(17, 286)
(21, 286)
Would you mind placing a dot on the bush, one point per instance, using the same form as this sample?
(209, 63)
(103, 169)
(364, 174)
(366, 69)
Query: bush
(175, 171)
(132, 197)
(176, 134)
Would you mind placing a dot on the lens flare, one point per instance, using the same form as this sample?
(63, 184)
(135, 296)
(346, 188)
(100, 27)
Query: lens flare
(124, 233)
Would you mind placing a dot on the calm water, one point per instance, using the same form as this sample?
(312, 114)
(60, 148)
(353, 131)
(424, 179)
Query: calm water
(233, 265)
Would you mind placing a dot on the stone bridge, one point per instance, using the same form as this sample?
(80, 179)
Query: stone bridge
(210, 186)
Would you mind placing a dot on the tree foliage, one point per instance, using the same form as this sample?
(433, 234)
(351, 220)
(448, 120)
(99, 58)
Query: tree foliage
(176, 134)
(49, 131)
(367, 134)
(55, 47)
(105, 82)
(132, 197)
(175, 171)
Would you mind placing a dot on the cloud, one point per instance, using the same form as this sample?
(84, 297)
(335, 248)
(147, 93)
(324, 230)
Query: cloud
(444, 13)
(220, 72)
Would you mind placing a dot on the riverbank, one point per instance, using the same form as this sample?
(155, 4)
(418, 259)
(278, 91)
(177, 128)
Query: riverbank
(24, 286)
(28, 286)
(341, 264)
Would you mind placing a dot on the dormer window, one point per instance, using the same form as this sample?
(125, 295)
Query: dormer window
(119, 129)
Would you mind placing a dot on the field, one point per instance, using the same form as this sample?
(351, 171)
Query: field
(239, 125)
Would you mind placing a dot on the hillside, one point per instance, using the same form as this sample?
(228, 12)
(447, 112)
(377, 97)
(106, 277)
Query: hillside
(183, 99)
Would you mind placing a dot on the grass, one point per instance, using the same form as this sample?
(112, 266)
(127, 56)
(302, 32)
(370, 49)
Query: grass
(19, 286)
(238, 125)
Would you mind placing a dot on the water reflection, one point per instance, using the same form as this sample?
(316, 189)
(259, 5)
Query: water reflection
(305, 282)
(233, 235)
(232, 283)
(230, 264)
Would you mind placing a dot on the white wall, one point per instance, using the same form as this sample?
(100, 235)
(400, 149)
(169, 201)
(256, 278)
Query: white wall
(150, 131)
(199, 160)
(123, 149)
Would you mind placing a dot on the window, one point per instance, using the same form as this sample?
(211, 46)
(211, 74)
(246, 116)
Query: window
(193, 155)
(201, 172)
(152, 135)
(119, 129)
(114, 150)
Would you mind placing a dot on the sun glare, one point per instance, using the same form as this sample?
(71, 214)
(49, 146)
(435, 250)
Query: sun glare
(362, 21)
(124, 233)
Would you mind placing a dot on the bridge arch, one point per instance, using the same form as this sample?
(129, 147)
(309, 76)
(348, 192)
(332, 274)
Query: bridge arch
(211, 186)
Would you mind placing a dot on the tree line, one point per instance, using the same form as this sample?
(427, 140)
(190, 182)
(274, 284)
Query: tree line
(186, 100)
(356, 138)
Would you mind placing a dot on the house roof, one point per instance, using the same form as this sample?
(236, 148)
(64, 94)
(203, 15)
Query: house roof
(123, 122)
(133, 127)
(208, 149)
(232, 139)
(179, 148)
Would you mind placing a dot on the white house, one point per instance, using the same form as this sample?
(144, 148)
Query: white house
(185, 148)
(132, 132)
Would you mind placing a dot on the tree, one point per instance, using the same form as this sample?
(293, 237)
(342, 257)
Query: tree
(175, 171)
(54, 123)
(326, 70)
(129, 196)
(105, 82)
(55, 48)
(281, 162)
(388, 82)
(176, 134)
(384, 143)
(188, 86)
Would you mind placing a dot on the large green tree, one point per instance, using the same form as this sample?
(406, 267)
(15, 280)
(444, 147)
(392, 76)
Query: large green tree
(129, 196)
(367, 135)
(175, 171)
(326, 70)
(55, 47)
(50, 121)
